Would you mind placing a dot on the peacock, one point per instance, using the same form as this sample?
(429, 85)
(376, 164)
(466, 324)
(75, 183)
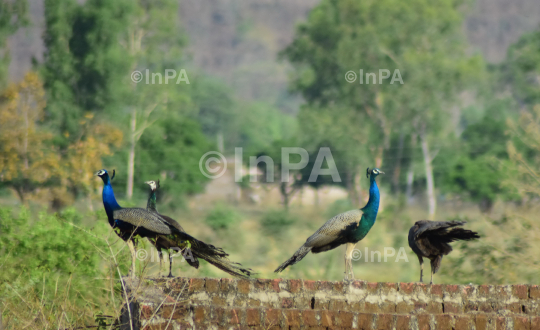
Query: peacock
(429, 239)
(130, 223)
(345, 228)
(197, 249)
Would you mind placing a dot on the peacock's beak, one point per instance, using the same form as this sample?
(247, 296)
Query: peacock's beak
(381, 172)
(97, 173)
(148, 182)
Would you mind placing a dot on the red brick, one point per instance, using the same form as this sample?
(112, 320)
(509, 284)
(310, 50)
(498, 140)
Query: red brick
(243, 286)
(534, 291)
(253, 316)
(452, 308)
(421, 287)
(520, 291)
(502, 292)
(292, 318)
(321, 303)
(275, 285)
(358, 284)
(310, 285)
(486, 307)
(328, 318)
(372, 287)
(173, 312)
(388, 287)
(365, 321)
(212, 285)
(387, 307)
(423, 321)
(402, 322)
(253, 302)
(345, 319)
(535, 322)
(514, 308)
(225, 284)
(468, 290)
(262, 284)
(470, 306)
(463, 322)
(406, 288)
(339, 287)
(324, 286)
(371, 308)
(404, 307)
(219, 301)
(434, 307)
(385, 321)
(482, 322)
(233, 316)
(295, 286)
(501, 323)
(309, 318)
(337, 305)
(453, 288)
(522, 323)
(287, 303)
(199, 313)
(437, 290)
(196, 284)
(420, 305)
(444, 322)
(484, 291)
(273, 317)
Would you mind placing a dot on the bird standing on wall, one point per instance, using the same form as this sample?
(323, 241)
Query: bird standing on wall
(429, 239)
(130, 223)
(197, 249)
(345, 228)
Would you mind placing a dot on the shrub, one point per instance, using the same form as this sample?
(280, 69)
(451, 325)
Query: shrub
(276, 222)
(221, 217)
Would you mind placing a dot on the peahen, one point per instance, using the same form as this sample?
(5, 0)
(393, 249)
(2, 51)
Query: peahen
(345, 228)
(198, 249)
(162, 243)
(429, 239)
(130, 223)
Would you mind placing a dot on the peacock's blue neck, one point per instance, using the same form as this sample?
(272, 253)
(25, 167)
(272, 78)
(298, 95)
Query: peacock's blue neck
(109, 201)
(152, 202)
(372, 207)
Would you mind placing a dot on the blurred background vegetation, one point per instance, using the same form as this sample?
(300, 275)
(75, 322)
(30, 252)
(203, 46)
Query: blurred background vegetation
(459, 139)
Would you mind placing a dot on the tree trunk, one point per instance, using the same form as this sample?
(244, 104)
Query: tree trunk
(410, 171)
(131, 158)
(432, 201)
(397, 168)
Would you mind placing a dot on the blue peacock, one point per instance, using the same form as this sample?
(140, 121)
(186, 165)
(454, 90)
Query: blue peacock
(130, 223)
(346, 228)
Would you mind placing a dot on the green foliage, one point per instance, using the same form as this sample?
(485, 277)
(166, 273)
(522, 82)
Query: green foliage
(276, 222)
(339, 206)
(222, 217)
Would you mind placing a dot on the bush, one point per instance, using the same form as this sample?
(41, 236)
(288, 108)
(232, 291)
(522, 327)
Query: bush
(276, 222)
(221, 217)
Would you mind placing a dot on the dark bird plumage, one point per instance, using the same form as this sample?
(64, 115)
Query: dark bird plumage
(130, 223)
(196, 248)
(345, 228)
(430, 239)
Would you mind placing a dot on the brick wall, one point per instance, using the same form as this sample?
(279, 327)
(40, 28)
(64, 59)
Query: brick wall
(203, 303)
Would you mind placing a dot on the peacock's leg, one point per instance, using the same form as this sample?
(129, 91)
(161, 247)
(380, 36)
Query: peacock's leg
(133, 257)
(348, 261)
(431, 282)
(421, 260)
(170, 264)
